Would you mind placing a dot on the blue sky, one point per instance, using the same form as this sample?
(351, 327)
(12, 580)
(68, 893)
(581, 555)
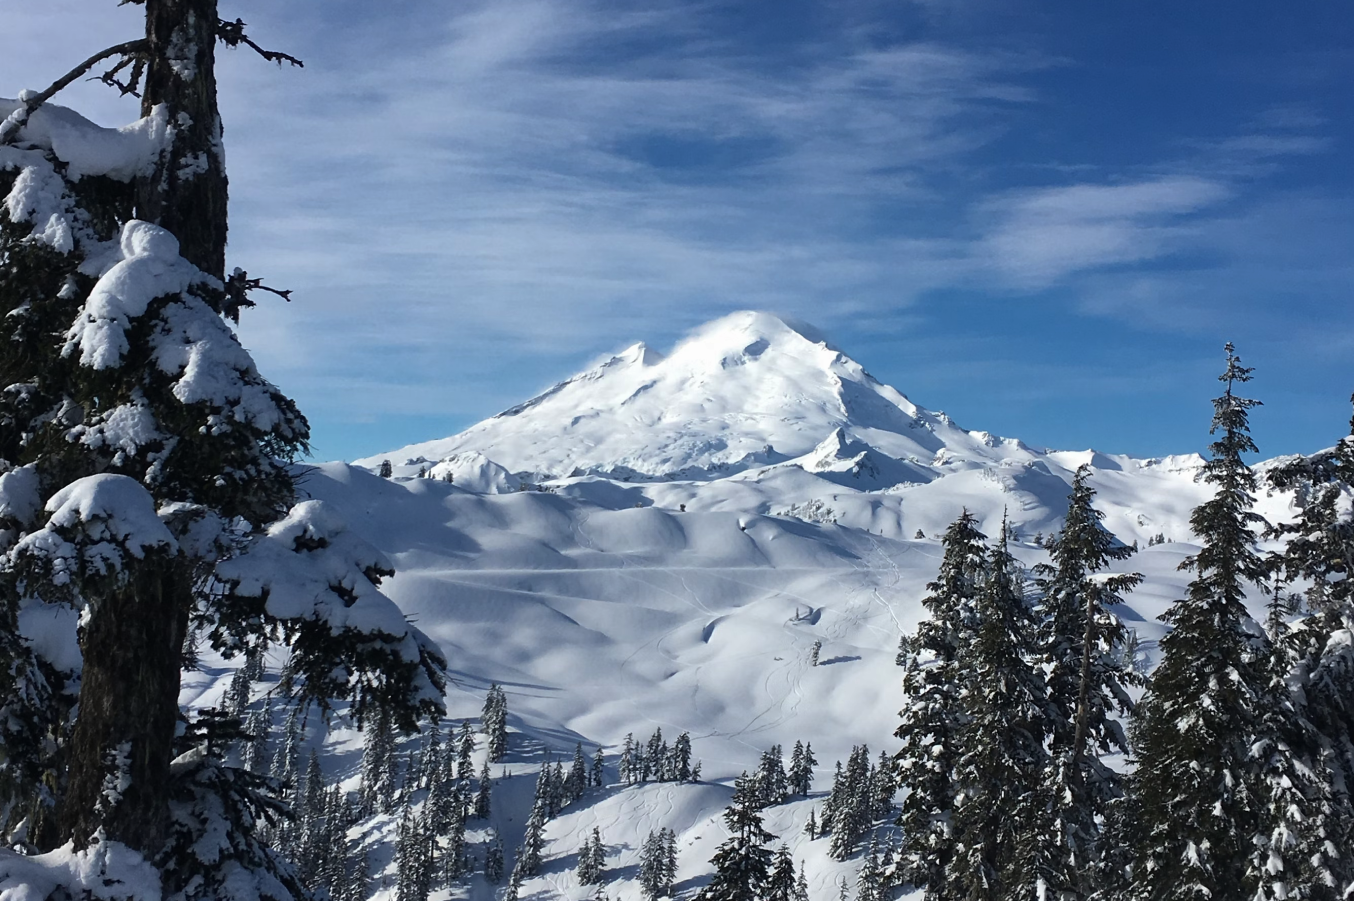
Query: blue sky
(1043, 218)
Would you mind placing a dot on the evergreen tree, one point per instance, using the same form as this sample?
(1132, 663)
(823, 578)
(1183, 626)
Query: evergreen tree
(254, 753)
(456, 863)
(592, 859)
(870, 884)
(658, 864)
(125, 396)
(851, 805)
(482, 794)
(598, 768)
(494, 721)
(1001, 807)
(465, 748)
(515, 879)
(629, 770)
(430, 757)
(680, 764)
(782, 885)
(288, 757)
(386, 470)
(380, 773)
(493, 859)
(237, 694)
(576, 783)
(772, 785)
(413, 859)
(1088, 680)
(802, 763)
(1198, 795)
(742, 863)
(933, 716)
(533, 841)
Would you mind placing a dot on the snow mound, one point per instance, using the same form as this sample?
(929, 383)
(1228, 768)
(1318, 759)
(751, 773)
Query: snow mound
(475, 472)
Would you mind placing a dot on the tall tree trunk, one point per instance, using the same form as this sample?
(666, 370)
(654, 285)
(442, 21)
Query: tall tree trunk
(187, 192)
(1084, 687)
(132, 643)
(129, 691)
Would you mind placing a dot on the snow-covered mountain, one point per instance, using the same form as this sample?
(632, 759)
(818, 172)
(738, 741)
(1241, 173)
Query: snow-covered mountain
(659, 542)
(744, 391)
(754, 414)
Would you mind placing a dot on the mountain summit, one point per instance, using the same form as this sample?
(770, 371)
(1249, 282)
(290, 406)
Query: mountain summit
(747, 390)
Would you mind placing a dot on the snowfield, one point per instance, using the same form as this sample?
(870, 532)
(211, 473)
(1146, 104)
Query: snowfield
(660, 541)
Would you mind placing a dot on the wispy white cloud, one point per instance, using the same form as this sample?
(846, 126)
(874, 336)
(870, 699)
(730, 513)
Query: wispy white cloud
(1038, 237)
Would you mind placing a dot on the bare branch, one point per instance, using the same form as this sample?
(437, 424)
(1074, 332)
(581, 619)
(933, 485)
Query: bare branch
(232, 34)
(138, 64)
(17, 119)
(238, 286)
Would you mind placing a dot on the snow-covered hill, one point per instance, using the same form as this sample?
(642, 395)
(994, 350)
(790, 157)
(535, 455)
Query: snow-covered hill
(660, 541)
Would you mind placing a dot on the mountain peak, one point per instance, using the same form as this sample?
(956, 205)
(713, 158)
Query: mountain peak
(747, 390)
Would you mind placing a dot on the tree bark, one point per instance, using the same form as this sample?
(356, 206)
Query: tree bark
(123, 739)
(187, 192)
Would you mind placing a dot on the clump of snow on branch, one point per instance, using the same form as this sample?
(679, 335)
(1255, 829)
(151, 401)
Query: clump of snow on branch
(95, 523)
(191, 344)
(310, 572)
(89, 149)
(54, 134)
(150, 267)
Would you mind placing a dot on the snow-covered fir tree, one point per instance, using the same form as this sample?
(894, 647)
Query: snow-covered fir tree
(533, 840)
(493, 858)
(871, 883)
(1001, 802)
(851, 807)
(146, 481)
(455, 862)
(933, 717)
(772, 785)
(1198, 794)
(658, 864)
(380, 767)
(494, 722)
(465, 750)
(680, 764)
(592, 859)
(782, 884)
(800, 774)
(1088, 677)
(483, 793)
(743, 862)
(413, 858)
(598, 773)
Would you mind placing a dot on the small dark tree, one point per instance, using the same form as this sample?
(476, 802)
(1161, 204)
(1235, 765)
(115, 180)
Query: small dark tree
(494, 721)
